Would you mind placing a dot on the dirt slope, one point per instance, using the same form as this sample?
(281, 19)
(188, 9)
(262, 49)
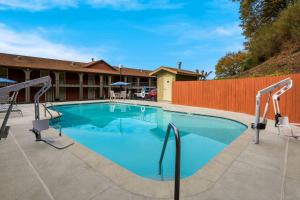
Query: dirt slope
(286, 62)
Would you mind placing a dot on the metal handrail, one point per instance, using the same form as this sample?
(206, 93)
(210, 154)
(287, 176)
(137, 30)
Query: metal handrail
(48, 111)
(177, 160)
(58, 113)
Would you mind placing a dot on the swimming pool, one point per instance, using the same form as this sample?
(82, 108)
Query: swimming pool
(132, 136)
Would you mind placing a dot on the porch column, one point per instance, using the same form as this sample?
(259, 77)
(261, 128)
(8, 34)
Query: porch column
(80, 86)
(149, 82)
(57, 85)
(125, 80)
(48, 94)
(101, 86)
(109, 87)
(27, 90)
(138, 81)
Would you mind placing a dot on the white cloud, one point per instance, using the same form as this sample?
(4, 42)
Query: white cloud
(136, 4)
(37, 5)
(33, 44)
(184, 32)
(117, 4)
(229, 30)
(197, 33)
(194, 42)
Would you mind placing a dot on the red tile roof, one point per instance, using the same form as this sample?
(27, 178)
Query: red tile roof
(133, 72)
(29, 62)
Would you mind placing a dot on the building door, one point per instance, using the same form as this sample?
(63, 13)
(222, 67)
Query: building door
(167, 88)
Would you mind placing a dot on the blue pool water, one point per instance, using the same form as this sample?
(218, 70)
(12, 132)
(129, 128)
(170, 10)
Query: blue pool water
(132, 136)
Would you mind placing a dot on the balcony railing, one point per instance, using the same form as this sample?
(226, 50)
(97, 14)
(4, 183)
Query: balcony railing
(131, 85)
(142, 84)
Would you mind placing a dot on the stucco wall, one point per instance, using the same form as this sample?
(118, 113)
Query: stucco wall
(161, 87)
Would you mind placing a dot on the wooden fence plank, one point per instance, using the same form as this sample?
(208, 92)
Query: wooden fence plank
(237, 95)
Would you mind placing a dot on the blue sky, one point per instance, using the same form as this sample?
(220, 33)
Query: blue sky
(136, 33)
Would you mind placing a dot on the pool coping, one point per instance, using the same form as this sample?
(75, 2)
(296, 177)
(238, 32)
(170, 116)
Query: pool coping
(201, 181)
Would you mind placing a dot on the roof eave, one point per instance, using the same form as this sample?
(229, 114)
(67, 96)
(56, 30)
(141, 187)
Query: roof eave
(163, 69)
(88, 65)
(77, 70)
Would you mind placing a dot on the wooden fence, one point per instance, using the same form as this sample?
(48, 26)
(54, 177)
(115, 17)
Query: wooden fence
(237, 95)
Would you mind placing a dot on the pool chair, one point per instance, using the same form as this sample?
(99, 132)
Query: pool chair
(123, 95)
(112, 95)
(42, 125)
(5, 103)
(128, 96)
(283, 122)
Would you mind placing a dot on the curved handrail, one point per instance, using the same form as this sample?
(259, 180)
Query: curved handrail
(48, 111)
(177, 160)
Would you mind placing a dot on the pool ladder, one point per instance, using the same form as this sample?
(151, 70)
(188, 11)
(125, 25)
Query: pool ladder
(177, 160)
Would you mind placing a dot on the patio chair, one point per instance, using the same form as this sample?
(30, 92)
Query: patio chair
(128, 94)
(123, 95)
(41, 125)
(283, 122)
(5, 103)
(112, 95)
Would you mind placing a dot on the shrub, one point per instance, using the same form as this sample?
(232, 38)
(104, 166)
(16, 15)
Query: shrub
(269, 39)
(232, 64)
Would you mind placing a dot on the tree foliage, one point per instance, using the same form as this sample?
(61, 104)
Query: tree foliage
(232, 64)
(267, 26)
(254, 14)
(270, 39)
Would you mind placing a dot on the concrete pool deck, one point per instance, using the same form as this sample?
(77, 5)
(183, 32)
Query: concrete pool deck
(32, 170)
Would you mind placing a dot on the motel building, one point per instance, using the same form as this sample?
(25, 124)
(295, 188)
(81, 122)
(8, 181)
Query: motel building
(71, 81)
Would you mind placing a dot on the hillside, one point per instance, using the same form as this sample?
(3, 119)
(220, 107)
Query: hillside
(286, 62)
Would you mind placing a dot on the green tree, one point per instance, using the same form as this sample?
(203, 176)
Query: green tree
(232, 64)
(255, 14)
(271, 38)
(269, 26)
